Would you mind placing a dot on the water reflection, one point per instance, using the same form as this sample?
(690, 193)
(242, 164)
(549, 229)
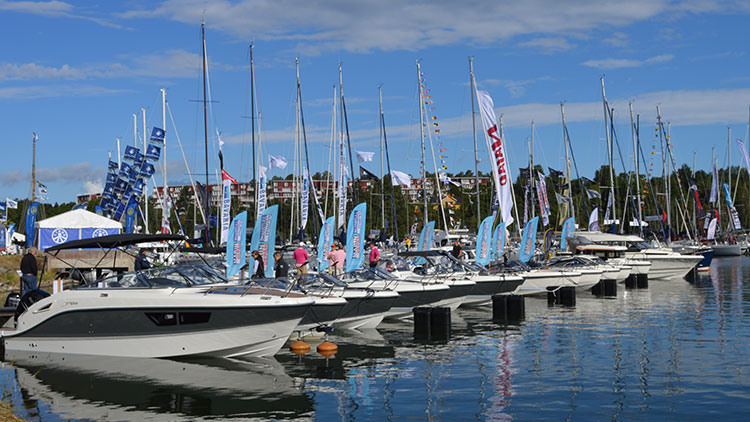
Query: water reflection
(670, 352)
(88, 387)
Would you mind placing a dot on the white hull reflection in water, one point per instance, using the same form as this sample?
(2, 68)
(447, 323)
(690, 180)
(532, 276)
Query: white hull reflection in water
(675, 351)
(128, 389)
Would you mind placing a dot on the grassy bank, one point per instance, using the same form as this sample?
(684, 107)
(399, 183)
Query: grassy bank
(9, 279)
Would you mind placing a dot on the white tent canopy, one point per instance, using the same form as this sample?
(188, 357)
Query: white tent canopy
(74, 225)
(78, 219)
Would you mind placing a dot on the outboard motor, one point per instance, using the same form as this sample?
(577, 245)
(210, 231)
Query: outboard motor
(31, 297)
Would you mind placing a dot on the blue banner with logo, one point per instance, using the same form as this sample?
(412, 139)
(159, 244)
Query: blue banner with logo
(528, 240)
(568, 228)
(3, 235)
(484, 240)
(51, 237)
(425, 241)
(426, 237)
(264, 237)
(355, 237)
(236, 242)
(498, 242)
(130, 216)
(31, 213)
(325, 240)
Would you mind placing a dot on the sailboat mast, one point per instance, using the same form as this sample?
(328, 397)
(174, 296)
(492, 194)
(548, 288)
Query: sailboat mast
(348, 140)
(421, 137)
(610, 153)
(567, 162)
(530, 182)
(33, 166)
(307, 157)
(252, 109)
(638, 214)
(388, 161)
(205, 135)
(510, 177)
(382, 183)
(664, 175)
(145, 186)
(474, 133)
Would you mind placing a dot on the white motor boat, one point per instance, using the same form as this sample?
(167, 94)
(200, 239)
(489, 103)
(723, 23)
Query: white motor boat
(364, 308)
(159, 313)
(411, 294)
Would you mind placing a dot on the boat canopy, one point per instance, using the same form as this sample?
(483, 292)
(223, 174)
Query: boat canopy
(175, 276)
(601, 237)
(115, 241)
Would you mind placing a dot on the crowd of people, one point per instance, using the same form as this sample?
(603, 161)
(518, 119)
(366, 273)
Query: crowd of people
(336, 258)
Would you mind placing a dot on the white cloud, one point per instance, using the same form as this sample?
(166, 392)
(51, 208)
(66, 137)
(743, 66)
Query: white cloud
(617, 39)
(173, 63)
(29, 71)
(53, 8)
(364, 26)
(39, 91)
(622, 63)
(92, 186)
(79, 172)
(548, 45)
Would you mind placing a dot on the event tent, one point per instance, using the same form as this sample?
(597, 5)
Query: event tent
(74, 225)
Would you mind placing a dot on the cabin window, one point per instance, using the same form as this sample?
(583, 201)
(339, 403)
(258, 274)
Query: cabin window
(194, 317)
(162, 318)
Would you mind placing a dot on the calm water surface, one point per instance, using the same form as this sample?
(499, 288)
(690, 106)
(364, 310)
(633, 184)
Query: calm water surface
(675, 351)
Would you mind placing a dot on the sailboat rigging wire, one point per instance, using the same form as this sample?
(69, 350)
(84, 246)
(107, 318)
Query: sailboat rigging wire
(190, 176)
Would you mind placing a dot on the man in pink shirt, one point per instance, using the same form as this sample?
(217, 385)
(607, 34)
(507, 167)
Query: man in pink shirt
(374, 255)
(337, 258)
(300, 258)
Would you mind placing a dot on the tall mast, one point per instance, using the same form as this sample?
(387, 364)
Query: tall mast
(205, 136)
(388, 161)
(729, 170)
(567, 162)
(348, 140)
(610, 153)
(664, 175)
(695, 222)
(421, 137)
(145, 187)
(33, 167)
(382, 183)
(510, 177)
(307, 158)
(638, 214)
(474, 133)
(252, 110)
(530, 181)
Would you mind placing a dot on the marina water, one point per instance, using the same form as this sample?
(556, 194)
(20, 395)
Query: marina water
(675, 351)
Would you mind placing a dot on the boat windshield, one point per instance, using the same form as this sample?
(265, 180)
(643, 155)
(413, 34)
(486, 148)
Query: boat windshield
(177, 276)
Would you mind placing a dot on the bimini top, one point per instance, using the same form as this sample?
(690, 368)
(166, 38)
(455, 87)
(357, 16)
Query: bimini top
(114, 241)
(597, 237)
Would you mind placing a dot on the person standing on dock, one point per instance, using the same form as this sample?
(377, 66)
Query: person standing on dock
(374, 255)
(337, 258)
(29, 271)
(300, 258)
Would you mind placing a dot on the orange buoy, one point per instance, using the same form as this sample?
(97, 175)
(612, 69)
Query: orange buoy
(327, 354)
(299, 346)
(327, 346)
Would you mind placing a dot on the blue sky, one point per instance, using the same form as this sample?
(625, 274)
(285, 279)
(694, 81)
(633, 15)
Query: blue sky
(76, 72)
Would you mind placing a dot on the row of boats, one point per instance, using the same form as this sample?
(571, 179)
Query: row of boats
(188, 308)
